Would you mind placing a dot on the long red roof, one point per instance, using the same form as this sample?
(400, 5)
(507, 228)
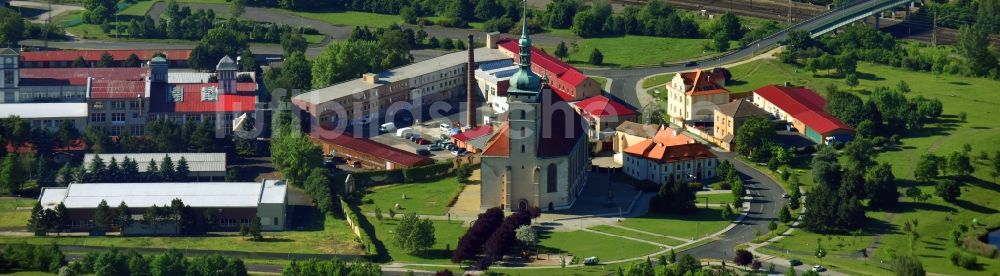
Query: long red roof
(242, 101)
(117, 89)
(663, 154)
(804, 105)
(78, 76)
(370, 147)
(95, 55)
(602, 106)
(474, 133)
(562, 70)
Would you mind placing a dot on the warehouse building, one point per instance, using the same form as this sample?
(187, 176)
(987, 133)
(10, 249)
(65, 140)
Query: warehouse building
(204, 167)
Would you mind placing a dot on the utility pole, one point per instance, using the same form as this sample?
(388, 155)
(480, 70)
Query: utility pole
(789, 12)
(934, 29)
(48, 26)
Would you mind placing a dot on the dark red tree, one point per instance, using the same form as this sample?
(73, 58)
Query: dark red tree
(743, 257)
(470, 244)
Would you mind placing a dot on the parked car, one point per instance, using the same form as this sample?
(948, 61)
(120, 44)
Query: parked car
(422, 141)
(450, 147)
(458, 152)
(818, 268)
(794, 262)
(591, 261)
(434, 147)
(785, 195)
(423, 152)
(691, 64)
(445, 127)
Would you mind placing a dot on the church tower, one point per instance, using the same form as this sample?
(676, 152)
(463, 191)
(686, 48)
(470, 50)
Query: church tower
(9, 59)
(523, 98)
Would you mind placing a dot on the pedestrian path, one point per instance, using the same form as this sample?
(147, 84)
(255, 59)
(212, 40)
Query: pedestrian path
(650, 233)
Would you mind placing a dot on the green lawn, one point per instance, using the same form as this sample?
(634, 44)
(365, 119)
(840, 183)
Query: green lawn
(602, 80)
(638, 235)
(445, 233)
(10, 217)
(582, 244)
(139, 9)
(693, 226)
(624, 51)
(714, 198)
(335, 238)
(429, 198)
(980, 196)
(351, 18)
(657, 80)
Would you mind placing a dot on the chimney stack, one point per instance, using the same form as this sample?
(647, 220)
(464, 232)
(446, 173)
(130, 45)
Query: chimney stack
(470, 81)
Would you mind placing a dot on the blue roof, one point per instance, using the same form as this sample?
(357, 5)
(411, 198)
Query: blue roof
(487, 66)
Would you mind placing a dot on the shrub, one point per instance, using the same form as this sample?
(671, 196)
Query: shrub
(978, 247)
(967, 261)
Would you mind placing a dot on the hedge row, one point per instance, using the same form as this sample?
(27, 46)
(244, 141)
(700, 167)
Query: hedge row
(417, 174)
(364, 233)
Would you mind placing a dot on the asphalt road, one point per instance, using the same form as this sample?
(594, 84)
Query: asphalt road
(763, 208)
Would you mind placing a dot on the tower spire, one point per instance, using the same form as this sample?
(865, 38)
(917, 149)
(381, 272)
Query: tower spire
(525, 42)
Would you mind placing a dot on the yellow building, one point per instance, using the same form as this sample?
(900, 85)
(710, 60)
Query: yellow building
(694, 95)
(730, 116)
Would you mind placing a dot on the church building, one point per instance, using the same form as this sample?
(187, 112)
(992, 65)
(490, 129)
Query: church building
(538, 158)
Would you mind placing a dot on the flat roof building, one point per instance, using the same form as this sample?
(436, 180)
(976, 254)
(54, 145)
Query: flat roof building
(203, 166)
(237, 202)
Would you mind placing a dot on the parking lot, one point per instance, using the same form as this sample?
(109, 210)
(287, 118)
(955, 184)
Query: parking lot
(429, 130)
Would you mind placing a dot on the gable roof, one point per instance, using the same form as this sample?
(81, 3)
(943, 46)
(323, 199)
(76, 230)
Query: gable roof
(562, 70)
(8, 51)
(662, 153)
(95, 55)
(602, 106)
(741, 109)
(499, 144)
(191, 102)
(144, 195)
(117, 89)
(637, 129)
(822, 122)
(197, 162)
(474, 133)
(347, 140)
(792, 100)
(703, 83)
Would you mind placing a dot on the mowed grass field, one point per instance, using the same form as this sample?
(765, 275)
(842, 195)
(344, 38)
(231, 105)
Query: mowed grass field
(693, 226)
(634, 50)
(637, 235)
(446, 235)
(430, 198)
(582, 244)
(980, 199)
(351, 18)
(10, 217)
(335, 238)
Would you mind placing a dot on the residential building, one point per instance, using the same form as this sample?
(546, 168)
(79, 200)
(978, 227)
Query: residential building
(538, 157)
(803, 110)
(603, 115)
(730, 116)
(236, 203)
(630, 133)
(203, 167)
(196, 97)
(694, 95)
(669, 157)
(493, 79)
(412, 88)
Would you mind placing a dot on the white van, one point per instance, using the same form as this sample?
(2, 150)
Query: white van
(403, 131)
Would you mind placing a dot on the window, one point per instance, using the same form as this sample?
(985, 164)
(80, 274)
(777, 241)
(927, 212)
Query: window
(118, 117)
(133, 105)
(227, 222)
(138, 130)
(97, 117)
(118, 105)
(116, 131)
(551, 176)
(97, 105)
(8, 77)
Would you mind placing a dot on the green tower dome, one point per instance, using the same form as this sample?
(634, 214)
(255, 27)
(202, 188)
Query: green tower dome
(524, 80)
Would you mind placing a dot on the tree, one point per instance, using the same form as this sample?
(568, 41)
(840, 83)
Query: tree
(413, 234)
(881, 186)
(730, 27)
(170, 263)
(408, 14)
(317, 185)
(36, 223)
(743, 257)
(785, 215)
(971, 39)
(727, 212)
(103, 216)
(167, 170)
(961, 164)
(526, 235)
(67, 133)
(561, 51)
(218, 42)
(59, 218)
(474, 238)
(254, 230)
(11, 174)
(720, 42)
(927, 167)
(106, 60)
(907, 265)
(903, 87)
(293, 42)
(123, 217)
(131, 61)
(948, 189)
(772, 226)
(995, 166)
(596, 57)
(236, 8)
(754, 135)
(852, 80)
(378, 213)
(182, 171)
(11, 27)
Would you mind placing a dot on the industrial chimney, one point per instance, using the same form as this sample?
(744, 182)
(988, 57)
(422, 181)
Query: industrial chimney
(470, 81)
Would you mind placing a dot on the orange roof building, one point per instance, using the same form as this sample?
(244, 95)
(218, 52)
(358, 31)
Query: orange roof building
(668, 157)
(694, 96)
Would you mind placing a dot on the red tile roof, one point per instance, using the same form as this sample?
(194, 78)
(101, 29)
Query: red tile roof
(663, 153)
(822, 123)
(28, 147)
(95, 55)
(474, 133)
(803, 105)
(602, 106)
(78, 76)
(792, 100)
(117, 89)
(562, 70)
(703, 83)
(192, 103)
(372, 148)
(499, 145)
